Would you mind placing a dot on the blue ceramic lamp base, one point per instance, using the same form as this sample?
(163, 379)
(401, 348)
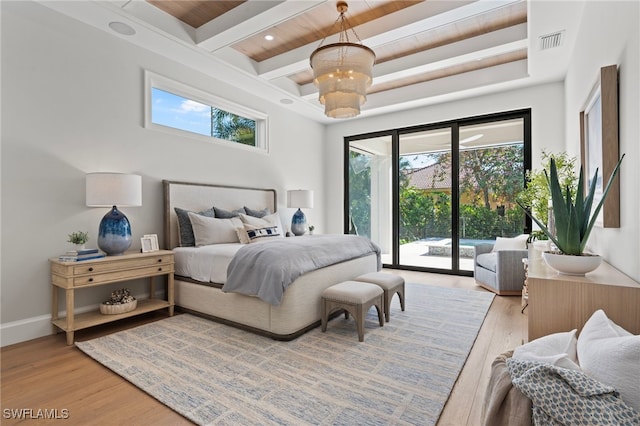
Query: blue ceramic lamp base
(298, 223)
(114, 234)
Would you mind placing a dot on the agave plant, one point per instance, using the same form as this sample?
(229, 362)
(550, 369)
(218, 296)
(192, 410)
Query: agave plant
(573, 218)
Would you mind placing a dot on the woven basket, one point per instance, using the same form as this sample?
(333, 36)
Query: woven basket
(118, 309)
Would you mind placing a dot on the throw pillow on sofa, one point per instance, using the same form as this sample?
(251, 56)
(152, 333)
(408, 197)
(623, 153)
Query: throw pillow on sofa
(515, 243)
(558, 349)
(610, 354)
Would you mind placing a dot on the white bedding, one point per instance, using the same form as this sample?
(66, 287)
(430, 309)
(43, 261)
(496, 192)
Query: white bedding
(206, 263)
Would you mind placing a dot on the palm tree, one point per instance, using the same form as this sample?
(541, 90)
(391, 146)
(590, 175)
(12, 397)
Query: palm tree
(232, 127)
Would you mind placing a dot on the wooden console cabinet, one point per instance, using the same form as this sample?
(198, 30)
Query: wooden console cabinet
(72, 276)
(562, 302)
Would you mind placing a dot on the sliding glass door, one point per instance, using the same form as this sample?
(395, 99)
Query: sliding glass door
(427, 195)
(491, 165)
(369, 175)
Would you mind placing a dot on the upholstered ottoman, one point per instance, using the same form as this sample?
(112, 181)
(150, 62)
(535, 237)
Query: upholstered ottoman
(354, 297)
(390, 284)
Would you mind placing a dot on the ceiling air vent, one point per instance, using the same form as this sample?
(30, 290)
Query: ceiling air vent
(552, 40)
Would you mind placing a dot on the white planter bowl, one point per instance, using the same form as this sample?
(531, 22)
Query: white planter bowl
(572, 265)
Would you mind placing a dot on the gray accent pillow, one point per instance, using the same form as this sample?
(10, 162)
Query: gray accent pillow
(257, 213)
(226, 214)
(185, 230)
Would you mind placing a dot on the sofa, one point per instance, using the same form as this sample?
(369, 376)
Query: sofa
(565, 378)
(498, 267)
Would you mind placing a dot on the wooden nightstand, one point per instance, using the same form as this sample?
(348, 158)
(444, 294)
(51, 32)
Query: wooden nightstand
(91, 273)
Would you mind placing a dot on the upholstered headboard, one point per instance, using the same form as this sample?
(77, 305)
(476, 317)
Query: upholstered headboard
(200, 196)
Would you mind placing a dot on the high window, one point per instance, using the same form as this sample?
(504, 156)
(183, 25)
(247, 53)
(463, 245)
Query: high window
(184, 110)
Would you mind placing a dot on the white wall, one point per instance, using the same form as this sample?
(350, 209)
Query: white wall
(547, 130)
(72, 100)
(609, 35)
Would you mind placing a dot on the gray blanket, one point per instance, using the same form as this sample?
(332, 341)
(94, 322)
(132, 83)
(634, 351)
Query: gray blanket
(569, 397)
(267, 268)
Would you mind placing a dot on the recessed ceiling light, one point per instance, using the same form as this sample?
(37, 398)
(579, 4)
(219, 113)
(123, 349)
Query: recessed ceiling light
(269, 37)
(122, 28)
(286, 101)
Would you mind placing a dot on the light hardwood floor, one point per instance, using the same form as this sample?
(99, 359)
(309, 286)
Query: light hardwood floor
(45, 373)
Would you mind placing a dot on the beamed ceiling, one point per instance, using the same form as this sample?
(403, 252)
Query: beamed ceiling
(427, 51)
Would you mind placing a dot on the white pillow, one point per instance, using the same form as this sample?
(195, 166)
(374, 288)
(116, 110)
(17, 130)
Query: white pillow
(242, 235)
(266, 221)
(557, 349)
(209, 230)
(611, 355)
(515, 243)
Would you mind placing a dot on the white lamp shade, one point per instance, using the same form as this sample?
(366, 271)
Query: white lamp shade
(300, 198)
(113, 189)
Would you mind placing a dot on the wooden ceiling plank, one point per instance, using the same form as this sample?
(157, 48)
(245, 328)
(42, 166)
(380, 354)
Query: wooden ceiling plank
(317, 24)
(297, 60)
(387, 31)
(456, 69)
(473, 49)
(196, 12)
(448, 87)
(253, 17)
(507, 17)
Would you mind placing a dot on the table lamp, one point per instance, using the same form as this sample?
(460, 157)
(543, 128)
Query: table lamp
(109, 190)
(299, 198)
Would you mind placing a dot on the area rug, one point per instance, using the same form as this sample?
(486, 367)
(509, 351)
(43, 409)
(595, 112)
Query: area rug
(211, 373)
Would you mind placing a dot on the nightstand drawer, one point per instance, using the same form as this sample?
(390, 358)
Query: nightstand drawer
(119, 265)
(105, 277)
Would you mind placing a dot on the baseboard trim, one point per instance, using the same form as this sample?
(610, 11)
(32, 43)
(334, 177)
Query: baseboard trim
(32, 328)
(26, 329)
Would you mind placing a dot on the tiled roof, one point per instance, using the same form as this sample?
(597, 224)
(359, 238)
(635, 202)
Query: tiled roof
(433, 176)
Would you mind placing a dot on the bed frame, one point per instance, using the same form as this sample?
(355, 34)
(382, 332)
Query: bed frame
(299, 310)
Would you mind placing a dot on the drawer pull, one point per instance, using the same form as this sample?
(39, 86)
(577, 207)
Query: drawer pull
(91, 269)
(159, 260)
(159, 269)
(90, 280)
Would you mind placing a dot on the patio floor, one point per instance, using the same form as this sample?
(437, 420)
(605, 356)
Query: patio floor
(420, 253)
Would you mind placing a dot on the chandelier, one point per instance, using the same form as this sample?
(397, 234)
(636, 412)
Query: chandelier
(342, 72)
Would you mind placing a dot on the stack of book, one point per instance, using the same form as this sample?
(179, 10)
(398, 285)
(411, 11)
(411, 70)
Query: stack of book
(79, 255)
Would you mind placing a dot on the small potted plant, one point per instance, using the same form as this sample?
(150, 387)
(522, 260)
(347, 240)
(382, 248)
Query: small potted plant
(311, 228)
(78, 238)
(574, 221)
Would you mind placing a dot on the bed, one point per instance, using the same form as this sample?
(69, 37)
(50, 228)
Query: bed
(299, 307)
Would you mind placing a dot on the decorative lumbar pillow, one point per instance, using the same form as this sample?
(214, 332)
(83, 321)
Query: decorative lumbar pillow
(185, 230)
(266, 221)
(208, 230)
(257, 213)
(558, 349)
(611, 355)
(260, 233)
(515, 243)
(226, 214)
